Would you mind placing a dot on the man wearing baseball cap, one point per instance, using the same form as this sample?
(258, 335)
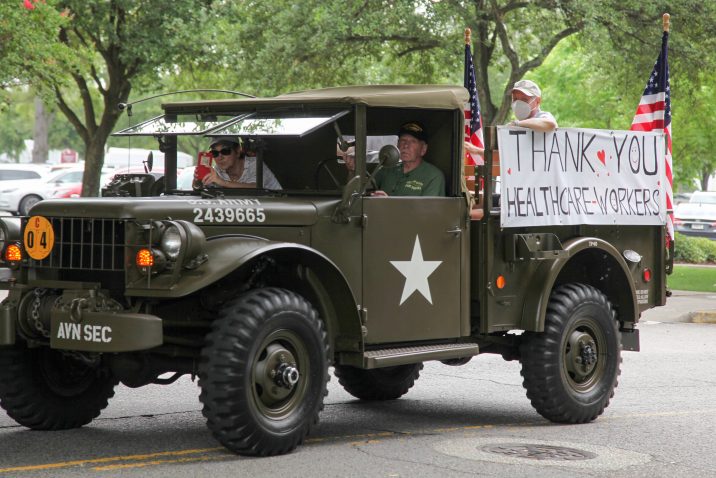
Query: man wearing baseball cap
(526, 99)
(233, 169)
(414, 176)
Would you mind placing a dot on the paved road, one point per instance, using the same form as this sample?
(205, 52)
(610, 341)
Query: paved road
(661, 423)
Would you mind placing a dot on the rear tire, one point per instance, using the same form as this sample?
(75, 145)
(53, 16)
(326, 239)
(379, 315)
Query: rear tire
(263, 372)
(386, 383)
(44, 389)
(571, 369)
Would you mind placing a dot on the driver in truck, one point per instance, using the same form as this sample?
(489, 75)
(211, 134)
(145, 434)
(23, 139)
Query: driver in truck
(414, 176)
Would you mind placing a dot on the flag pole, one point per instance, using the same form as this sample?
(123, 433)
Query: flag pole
(666, 21)
(468, 36)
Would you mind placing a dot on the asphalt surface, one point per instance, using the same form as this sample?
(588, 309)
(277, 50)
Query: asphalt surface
(685, 306)
(466, 421)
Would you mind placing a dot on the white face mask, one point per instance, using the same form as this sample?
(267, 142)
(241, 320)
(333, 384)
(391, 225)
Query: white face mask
(521, 109)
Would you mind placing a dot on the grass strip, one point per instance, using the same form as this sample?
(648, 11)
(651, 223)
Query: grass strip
(695, 278)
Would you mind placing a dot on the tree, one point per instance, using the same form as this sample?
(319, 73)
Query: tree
(606, 48)
(29, 48)
(118, 44)
(41, 133)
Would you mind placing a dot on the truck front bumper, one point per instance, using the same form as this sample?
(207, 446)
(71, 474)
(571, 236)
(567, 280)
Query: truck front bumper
(77, 324)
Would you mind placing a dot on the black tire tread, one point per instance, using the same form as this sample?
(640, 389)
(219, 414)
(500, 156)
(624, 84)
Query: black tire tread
(541, 358)
(29, 401)
(227, 349)
(387, 383)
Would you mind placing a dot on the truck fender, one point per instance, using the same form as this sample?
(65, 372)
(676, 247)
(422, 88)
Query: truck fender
(621, 294)
(332, 296)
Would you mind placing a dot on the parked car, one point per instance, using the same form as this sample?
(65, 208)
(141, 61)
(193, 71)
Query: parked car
(15, 171)
(681, 198)
(74, 190)
(19, 196)
(698, 216)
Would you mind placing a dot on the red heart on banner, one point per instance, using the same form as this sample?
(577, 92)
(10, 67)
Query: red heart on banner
(509, 170)
(602, 157)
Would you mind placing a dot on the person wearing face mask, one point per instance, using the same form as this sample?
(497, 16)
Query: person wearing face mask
(526, 100)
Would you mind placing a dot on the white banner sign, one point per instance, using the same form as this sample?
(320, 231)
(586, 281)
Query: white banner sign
(581, 176)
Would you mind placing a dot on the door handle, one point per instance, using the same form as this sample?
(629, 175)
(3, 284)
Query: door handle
(455, 230)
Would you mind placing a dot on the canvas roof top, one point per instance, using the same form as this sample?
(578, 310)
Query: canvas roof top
(398, 96)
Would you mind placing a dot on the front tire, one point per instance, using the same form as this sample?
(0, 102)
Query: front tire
(26, 203)
(571, 369)
(44, 389)
(387, 383)
(263, 372)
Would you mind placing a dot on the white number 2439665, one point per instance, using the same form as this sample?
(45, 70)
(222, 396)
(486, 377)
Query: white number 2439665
(229, 214)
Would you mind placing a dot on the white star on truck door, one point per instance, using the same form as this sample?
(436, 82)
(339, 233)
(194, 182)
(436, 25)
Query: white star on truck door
(416, 272)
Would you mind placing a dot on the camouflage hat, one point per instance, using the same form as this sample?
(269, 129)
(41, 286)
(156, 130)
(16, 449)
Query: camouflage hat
(528, 87)
(415, 129)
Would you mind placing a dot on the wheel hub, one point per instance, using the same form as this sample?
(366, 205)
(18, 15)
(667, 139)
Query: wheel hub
(582, 355)
(287, 375)
(276, 374)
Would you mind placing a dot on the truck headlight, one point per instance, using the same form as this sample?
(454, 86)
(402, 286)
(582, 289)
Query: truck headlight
(183, 242)
(171, 242)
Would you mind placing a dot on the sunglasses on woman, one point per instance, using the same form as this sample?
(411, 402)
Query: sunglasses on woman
(224, 152)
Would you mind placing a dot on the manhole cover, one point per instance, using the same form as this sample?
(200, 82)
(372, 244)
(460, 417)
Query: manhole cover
(539, 452)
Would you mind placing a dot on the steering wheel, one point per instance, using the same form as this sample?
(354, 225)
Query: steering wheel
(323, 166)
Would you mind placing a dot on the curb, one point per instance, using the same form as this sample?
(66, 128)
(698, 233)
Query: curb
(703, 317)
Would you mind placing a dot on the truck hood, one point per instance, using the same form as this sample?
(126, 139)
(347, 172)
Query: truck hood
(270, 210)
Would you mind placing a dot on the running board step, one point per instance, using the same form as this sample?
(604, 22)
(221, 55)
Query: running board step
(420, 353)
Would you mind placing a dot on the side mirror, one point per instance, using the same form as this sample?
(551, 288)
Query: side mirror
(149, 163)
(389, 156)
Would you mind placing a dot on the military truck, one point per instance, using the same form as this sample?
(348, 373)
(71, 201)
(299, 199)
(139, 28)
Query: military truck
(258, 292)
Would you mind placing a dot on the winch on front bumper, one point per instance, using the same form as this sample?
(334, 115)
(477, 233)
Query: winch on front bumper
(85, 320)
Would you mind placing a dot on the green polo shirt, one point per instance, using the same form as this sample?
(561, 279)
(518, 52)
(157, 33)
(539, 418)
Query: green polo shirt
(425, 180)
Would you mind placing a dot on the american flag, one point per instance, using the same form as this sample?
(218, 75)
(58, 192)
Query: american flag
(473, 117)
(654, 113)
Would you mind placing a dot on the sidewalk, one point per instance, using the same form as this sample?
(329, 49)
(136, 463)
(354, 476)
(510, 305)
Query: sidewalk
(685, 306)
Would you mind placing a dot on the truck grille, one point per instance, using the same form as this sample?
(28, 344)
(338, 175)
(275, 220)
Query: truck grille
(84, 243)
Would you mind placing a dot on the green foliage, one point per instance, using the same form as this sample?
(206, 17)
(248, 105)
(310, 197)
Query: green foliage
(694, 278)
(579, 93)
(116, 45)
(708, 247)
(16, 124)
(29, 48)
(694, 250)
(592, 57)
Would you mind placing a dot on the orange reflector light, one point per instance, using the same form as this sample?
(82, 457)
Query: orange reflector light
(500, 282)
(145, 258)
(646, 274)
(13, 253)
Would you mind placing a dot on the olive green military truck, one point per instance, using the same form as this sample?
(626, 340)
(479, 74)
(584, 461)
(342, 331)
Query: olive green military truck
(257, 292)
